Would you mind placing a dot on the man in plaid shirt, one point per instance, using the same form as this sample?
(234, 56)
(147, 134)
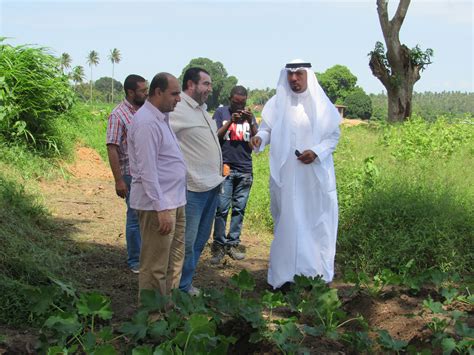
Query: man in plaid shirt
(136, 92)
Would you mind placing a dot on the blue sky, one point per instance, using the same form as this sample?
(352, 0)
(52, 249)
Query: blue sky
(253, 39)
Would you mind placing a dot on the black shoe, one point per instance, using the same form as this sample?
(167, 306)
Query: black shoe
(218, 255)
(234, 253)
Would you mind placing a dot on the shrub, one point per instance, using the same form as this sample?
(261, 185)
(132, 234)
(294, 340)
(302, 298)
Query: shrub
(33, 93)
(359, 105)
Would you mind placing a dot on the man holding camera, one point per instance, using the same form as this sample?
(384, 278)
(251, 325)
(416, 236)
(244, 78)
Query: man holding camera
(236, 125)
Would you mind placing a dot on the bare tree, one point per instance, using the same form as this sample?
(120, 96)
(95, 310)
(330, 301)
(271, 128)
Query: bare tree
(399, 68)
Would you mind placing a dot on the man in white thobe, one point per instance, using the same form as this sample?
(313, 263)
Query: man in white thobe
(303, 128)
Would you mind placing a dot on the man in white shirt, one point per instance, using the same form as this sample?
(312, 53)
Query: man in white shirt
(197, 136)
(303, 127)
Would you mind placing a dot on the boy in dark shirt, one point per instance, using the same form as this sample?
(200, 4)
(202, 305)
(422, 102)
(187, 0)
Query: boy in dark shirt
(236, 126)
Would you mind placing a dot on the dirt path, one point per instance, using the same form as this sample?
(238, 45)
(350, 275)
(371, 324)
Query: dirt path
(86, 206)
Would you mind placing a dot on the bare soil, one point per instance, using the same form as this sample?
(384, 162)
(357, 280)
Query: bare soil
(88, 209)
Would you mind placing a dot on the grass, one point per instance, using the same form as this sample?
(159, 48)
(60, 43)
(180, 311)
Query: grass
(31, 250)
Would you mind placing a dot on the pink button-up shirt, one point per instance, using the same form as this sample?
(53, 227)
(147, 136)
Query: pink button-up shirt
(156, 163)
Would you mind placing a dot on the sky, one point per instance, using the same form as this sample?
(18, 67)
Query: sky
(252, 39)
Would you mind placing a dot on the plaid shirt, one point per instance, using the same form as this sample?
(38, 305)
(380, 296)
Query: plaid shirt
(117, 125)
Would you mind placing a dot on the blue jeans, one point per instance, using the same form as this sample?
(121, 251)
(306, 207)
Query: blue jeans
(132, 230)
(235, 192)
(200, 212)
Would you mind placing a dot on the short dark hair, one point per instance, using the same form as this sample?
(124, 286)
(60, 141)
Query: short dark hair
(160, 81)
(193, 74)
(131, 82)
(238, 90)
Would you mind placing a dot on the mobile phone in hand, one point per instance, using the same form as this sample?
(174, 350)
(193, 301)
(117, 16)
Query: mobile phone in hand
(297, 153)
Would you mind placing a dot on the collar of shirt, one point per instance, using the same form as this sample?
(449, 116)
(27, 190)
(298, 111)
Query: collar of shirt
(155, 111)
(191, 102)
(132, 108)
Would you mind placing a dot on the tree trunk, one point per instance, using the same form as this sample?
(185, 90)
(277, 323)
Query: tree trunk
(112, 82)
(395, 70)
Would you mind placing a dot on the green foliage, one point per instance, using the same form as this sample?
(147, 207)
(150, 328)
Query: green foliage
(338, 82)
(103, 87)
(431, 105)
(221, 82)
(359, 105)
(408, 202)
(419, 58)
(260, 96)
(388, 343)
(418, 139)
(33, 94)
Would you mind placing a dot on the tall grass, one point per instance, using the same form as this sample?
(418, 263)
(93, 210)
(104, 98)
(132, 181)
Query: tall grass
(33, 94)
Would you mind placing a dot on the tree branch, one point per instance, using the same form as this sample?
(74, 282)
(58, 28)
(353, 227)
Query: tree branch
(383, 18)
(379, 70)
(399, 16)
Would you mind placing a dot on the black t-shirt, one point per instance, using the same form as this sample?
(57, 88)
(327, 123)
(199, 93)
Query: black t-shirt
(235, 145)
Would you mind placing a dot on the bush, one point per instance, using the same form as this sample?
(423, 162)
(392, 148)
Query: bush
(358, 105)
(33, 94)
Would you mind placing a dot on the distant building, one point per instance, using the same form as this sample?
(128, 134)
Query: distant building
(341, 109)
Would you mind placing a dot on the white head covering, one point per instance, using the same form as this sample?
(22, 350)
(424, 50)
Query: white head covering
(323, 115)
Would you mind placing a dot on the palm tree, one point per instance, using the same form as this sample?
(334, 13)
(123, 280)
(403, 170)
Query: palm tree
(65, 61)
(77, 75)
(114, 57)
(92, 60)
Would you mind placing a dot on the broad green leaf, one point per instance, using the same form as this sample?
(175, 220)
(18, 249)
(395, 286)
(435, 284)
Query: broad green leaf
(138, 327)
(106, 349)
(68, 289)
(159, 329)
(448, 345)
(244, 281)
(387, 342)
(449, 294)
(182, 301)
(313, 331)
(435, 307)
(41, 298)
(64, 323)
(89, 340)
(142, 350)
(463, 330)
(106, 334)
(57, 350)
(152, 300)
(273, 300)
(198, 320)
(94, 304)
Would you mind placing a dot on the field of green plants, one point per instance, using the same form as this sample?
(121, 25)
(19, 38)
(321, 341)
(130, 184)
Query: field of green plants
(406, 231)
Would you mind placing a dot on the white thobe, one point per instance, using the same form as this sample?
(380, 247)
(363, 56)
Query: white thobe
(304, 206)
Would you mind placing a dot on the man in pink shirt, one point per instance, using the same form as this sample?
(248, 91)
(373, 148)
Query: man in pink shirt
(158, 187)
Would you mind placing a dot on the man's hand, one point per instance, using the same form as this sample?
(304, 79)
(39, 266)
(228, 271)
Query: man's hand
(165, 222)
(235, 117)
(121, 188)
(246, 115)
(307, 157)
(255, 142)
